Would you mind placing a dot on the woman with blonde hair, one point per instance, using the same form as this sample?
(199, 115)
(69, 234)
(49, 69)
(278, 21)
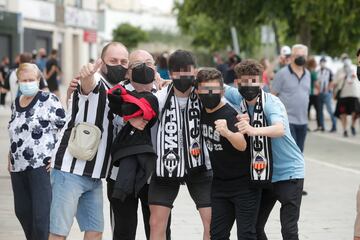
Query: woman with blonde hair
(36, 119)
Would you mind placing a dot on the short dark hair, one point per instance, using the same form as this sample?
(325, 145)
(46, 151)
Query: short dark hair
(25, 57)
(53, 52)
(180, 60)
(248, 67)
(209, 74)
(358, 52)
(103, 52)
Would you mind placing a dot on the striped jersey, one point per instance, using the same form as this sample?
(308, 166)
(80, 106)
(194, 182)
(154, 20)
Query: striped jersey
(92, 108)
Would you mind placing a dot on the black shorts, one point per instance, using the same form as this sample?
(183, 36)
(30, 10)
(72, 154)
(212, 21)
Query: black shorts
(199, 187)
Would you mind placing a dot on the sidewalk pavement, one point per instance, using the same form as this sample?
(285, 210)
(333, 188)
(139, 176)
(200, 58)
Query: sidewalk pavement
(328, 212)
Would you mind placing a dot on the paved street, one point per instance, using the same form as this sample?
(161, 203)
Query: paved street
(328, 212)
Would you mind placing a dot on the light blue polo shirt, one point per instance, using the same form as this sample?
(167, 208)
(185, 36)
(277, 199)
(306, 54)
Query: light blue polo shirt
(288, 161)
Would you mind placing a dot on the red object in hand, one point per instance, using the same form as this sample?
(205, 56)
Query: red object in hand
(145, 108)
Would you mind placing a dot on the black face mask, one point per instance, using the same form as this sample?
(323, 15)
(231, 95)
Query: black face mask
(210, 100)
(143, 74)
(358, 72)
(183, 83)
(300, 61)
(115, 74)
(249, 93)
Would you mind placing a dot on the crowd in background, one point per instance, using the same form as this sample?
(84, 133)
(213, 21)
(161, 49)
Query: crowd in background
(334, 89)
(48, 65)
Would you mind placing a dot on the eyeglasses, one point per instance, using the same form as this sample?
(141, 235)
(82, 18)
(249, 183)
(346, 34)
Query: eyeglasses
(149, 63)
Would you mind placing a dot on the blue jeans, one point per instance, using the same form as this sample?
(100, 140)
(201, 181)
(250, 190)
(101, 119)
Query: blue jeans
(298, 132)
(325, 98)
(75, 195)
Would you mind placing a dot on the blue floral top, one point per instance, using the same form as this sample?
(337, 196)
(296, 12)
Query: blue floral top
(33, 131)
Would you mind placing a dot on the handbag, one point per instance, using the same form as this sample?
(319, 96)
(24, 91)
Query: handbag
(85, 137)
(84, 141)
(338, 93)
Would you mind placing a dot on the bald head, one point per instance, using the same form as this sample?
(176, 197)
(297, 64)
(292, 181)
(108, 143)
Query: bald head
(140, 56)
(137, 58)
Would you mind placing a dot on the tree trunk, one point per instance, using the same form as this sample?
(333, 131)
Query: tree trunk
(276, 33)
(304, 35)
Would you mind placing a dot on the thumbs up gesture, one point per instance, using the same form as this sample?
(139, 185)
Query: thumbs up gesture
(86, 76)
(87, 71)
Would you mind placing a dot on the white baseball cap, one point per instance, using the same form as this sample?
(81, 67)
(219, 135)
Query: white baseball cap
(285, 51)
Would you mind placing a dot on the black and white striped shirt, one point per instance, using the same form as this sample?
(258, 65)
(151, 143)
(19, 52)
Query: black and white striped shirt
(92, 108)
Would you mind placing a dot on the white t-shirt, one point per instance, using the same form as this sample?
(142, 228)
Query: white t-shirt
(351, 86)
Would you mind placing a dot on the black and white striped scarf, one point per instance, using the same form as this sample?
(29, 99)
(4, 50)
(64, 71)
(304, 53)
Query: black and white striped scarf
(261, 165)
(180, 143)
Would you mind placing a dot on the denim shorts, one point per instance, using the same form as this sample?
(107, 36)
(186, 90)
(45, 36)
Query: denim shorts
(75, 196)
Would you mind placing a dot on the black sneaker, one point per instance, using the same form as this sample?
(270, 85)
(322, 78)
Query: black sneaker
(353, 131)
(345, 134)
(304, 193)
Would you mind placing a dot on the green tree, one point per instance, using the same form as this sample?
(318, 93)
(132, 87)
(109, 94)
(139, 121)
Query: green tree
(129, 35)
(325, 26)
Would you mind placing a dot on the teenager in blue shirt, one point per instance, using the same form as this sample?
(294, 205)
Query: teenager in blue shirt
(287, 160)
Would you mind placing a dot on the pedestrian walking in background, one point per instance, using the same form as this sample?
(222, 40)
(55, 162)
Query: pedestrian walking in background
(230, 75)
(41, 59)
(52, 72)
(4, 80)
(325, 82)
(162, 66)
(220, 64)
(292, 84)
(314, 92)
(267, 75)
(284, 58)
(347, 92)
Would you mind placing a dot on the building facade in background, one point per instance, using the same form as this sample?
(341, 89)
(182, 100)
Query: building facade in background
(76, 28)
(70, 26)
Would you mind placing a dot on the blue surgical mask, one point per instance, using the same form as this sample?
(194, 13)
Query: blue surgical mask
(29, 89)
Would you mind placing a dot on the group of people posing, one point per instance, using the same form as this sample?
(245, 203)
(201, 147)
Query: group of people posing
(231, 146)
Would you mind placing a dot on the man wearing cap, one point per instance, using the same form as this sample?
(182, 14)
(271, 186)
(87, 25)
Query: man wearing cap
(284, 58)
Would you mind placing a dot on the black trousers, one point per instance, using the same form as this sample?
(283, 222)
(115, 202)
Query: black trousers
(314, 101)
(227, 206)
(289, 194)
(124, 214)
(32, 197)
(2, 98)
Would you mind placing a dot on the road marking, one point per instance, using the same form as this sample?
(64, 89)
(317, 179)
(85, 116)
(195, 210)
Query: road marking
(336, 137)
(331, 165)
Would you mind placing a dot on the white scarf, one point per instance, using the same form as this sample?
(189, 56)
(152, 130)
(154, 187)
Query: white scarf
(260, 146)
(180, 142)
